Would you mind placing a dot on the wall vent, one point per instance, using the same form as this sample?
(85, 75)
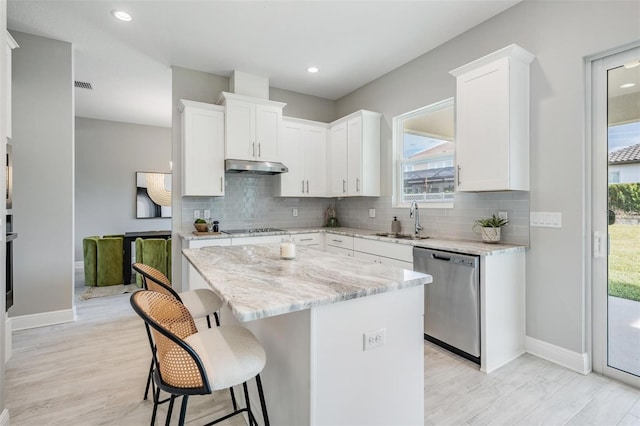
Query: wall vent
(83, 85)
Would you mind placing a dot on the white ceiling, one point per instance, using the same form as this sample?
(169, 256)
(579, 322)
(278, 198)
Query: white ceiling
(128, 64)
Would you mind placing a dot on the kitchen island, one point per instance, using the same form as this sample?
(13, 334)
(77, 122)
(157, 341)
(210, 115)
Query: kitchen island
(314, 315)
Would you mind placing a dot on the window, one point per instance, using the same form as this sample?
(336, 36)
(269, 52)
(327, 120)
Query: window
(614, 177)
(425, 156)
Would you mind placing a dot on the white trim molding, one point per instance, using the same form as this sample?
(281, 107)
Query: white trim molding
(578, 362)
(4, 418)
(25, 322)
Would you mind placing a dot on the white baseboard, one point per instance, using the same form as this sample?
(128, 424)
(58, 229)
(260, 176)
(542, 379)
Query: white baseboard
(578, 362)
(4, 418)
(24, 322)
(8, 350)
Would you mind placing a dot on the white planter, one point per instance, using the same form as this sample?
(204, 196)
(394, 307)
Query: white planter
(490, 234)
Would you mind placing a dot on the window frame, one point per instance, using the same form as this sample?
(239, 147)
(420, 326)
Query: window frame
(397, 151)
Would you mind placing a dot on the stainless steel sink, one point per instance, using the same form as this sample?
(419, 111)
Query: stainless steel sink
(401, 236)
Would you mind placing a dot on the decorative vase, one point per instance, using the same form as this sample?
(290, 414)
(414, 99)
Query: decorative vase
(490, 234)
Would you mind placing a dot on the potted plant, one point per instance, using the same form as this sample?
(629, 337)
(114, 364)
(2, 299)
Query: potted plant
(201, 225)
(489, 228)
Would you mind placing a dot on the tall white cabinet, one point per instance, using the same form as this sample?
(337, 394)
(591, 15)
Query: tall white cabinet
(252, 127)
(202, 149)
(353, 155)
(492, 121)
(303, 151)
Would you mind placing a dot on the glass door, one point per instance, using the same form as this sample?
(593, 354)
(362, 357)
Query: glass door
(616, 216)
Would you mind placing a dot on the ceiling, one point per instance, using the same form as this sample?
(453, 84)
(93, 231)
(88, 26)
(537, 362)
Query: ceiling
(129, 63)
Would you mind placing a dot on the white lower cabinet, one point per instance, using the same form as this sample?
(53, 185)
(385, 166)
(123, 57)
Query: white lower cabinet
(308, 240)
(192, 278)
(385, 253)
(268, 239)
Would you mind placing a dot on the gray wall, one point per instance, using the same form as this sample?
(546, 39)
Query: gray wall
(43, 175)
(561, 34)
(108, 155)
(3, 120)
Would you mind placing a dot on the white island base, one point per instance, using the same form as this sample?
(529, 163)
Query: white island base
(317, 372)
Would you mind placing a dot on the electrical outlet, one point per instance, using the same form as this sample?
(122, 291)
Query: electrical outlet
(295, 212)
(373, 339)
(207, 214)
(503, 215)
(372, 212)
(197, 214)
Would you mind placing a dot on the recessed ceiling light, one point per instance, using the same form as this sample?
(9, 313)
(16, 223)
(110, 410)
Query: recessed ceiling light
(312, 69)
(632, 64)
(627, 85)
(121, 15)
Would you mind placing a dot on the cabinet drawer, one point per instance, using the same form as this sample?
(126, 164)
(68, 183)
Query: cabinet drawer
(307, 239)
(339, 250)
(384, 260)
(269, 239)
(213, 242)
(340, 241)
(400, 252)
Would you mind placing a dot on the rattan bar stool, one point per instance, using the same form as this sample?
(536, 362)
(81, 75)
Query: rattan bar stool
(201, 303)
(191, 362)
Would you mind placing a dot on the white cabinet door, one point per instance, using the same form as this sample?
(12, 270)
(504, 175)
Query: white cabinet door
(492, 122)
(202, 149)
(337, 160)
(315, 160)
(252, 127)
(354, 155)
(267, 127)
(303, 151)
(241, 130)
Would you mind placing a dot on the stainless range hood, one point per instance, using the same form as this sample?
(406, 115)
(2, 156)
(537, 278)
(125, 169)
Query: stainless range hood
(254, 167)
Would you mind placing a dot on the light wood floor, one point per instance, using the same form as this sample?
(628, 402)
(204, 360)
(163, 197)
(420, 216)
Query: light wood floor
(93, 371)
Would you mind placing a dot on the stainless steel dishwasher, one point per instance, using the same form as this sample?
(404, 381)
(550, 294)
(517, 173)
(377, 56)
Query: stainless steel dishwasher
(451, 301)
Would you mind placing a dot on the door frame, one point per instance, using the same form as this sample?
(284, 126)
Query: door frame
(596, 209)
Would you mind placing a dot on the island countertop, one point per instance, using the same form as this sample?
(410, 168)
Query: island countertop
(254, 282)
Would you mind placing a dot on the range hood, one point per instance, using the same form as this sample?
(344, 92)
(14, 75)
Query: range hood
(254, 167)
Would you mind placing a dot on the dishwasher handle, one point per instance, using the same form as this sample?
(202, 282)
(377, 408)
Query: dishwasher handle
(440, 257)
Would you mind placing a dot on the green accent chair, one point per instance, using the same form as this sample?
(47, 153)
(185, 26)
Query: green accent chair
(152, 252)
(102, 261)
(90, 255)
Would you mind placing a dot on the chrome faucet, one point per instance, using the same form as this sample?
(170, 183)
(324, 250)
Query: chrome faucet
(413, 212)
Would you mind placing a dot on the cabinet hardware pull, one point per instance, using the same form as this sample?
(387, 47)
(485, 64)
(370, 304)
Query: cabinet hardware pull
(344, 188)
(337, 241)
(253, 147)
(307, 187)
(221, 184)
(458, 175)
(306, 239)
(259, 150)
(357, 185)
(302, 186)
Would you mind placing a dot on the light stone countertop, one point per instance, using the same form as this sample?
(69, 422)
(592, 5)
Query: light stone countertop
(477, 248)
(254, 282)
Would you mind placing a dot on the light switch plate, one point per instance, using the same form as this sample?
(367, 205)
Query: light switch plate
(372, 212)
(546, 219)
(295, 212)
(207, 214)
(197, 214)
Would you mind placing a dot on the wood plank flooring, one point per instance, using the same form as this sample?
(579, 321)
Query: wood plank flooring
(93, 371)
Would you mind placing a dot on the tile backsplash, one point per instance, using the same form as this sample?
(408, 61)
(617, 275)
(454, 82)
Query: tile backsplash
(249, 203)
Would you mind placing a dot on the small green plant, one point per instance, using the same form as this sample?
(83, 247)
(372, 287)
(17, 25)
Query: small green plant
(490, 222)
(200, 221)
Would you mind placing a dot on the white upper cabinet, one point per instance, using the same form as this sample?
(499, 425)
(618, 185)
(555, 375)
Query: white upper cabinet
(252, 127)
(354, 155)
(11, 44)
(202, 149)
(492, 121)
(303, 151)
